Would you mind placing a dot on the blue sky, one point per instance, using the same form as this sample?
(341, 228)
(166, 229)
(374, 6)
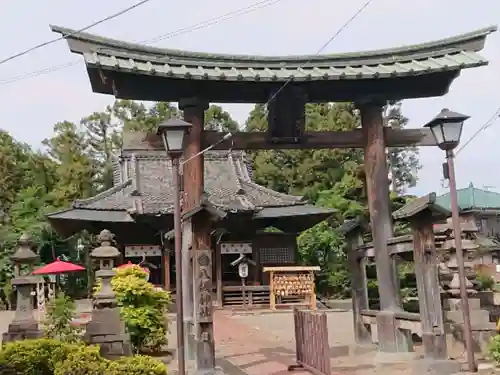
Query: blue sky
(30, 107)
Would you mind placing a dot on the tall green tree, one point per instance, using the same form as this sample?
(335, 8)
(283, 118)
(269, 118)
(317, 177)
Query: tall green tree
(404, 161)
(218, 119)
(104, 140)
(14, 168)
(135, 116)
(70, 150)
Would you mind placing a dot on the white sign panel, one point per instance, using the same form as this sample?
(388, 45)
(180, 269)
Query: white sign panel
(243, 270)
(142, 250)
(235, 248)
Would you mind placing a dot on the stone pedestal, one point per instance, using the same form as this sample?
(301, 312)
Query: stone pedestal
(482, 329)
(24, 325)
(106, 327)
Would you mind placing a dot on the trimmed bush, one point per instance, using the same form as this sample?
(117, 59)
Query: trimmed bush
(37, 357)
(138, 365)
(494, 349)
(54, 357)
(143, 308)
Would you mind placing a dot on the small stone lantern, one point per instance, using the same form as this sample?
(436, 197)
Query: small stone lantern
(106, 255)
(24, 325)
(106, 327)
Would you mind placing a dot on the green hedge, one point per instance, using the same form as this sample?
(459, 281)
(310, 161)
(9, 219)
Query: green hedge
(53, 357)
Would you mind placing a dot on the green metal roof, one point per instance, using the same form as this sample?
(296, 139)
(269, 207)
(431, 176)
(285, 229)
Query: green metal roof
(449, 54)
(417, 206)
(472, 198)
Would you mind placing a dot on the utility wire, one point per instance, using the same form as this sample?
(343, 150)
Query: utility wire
(485, 126)
(44, 44)
(342, 28)
(214, 20)
(201, 25)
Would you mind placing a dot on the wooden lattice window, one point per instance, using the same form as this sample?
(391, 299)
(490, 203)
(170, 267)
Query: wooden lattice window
(277, 255)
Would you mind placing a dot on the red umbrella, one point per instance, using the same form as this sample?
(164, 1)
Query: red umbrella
(58, 267)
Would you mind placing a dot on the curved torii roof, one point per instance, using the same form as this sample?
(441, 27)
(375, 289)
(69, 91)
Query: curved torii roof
(135, 71)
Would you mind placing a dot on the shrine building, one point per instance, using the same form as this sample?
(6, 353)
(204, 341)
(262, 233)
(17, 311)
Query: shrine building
(138, 209)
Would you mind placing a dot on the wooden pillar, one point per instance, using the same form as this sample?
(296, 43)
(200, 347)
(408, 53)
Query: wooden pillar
(359, 289)
(391, 339)
(201, 249)
(429, 298)
(218, 274)
(166, 270)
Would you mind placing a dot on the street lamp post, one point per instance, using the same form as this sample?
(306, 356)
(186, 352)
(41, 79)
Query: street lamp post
(446, 128)
(173, 133)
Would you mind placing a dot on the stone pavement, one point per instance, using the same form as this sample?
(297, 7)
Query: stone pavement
(248, 351)
(263, 344)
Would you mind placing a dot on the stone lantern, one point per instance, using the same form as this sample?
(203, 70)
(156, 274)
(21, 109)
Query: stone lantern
(106, 327)
(24, 325)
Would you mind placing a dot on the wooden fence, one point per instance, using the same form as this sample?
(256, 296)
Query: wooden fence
(311, 342)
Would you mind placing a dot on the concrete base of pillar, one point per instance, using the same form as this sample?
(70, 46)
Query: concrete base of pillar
(190, 342)
(192, 370)
(214, 371)
(391, 338)
(384, 358)
(435, 346)
(435, 367)
(22, 331)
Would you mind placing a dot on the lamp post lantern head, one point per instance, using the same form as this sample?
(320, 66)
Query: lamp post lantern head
(446, 128)
(173, 133)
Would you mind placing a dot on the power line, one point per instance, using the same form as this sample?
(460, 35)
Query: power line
(214, 20)
(44, 44)
(342, 28)
(201, 25)
(485, 126)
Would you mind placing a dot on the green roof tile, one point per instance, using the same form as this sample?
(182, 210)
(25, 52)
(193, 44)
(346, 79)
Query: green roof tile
(472, 198)
(448, 54)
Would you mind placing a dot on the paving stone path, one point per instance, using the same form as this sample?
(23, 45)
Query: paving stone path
(248, 350)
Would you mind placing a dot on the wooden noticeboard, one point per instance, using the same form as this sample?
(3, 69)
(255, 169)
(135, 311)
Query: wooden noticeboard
(292, 281)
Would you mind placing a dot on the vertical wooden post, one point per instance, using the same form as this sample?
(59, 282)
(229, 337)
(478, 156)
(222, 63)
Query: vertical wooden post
(272, 296)
(313, 293)
(429, 298)
(391, 339)
(218, 274)
(194, 112)
(166, 270)
(359, 290)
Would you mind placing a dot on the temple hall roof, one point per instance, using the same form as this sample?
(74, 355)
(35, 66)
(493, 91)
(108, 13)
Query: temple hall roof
(217, 76)
(145, 184)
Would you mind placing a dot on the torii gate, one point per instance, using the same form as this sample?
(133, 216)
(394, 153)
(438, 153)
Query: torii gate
(369, 79)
